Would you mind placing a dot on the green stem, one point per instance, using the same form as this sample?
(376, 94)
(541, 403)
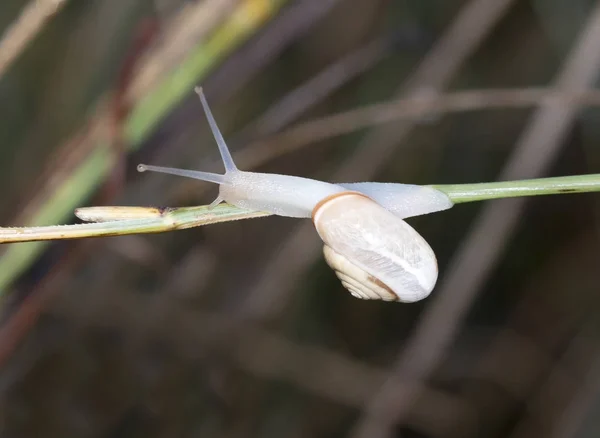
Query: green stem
(460, 193)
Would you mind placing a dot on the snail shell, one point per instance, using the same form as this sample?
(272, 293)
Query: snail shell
(375, 254)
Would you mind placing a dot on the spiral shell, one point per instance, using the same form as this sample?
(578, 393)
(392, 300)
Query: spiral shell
(375, 254)
(358, 282)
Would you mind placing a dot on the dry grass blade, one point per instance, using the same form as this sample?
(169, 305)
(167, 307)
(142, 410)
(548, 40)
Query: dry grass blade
(419, 106)
(25, 28)
(116, 222)
(294, 20)
(179, 36)
(302, 98)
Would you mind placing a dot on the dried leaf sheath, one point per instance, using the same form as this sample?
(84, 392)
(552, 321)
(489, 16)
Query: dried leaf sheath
(120, 222)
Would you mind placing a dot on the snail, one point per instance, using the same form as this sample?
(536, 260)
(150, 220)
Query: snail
(371, 249)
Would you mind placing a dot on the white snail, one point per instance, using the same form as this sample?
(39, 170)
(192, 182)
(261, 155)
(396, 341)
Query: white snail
(372, 250)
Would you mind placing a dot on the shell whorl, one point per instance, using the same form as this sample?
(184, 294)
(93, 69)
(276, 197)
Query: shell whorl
(375, 254)
(358, 282)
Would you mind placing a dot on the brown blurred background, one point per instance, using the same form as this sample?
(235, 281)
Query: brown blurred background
(240, 329)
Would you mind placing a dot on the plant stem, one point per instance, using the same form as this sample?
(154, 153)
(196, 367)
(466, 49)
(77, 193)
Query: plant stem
(460, 193)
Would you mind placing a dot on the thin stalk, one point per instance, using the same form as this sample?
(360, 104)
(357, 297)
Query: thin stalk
(120, 221)
(460, 193)
(117, 221)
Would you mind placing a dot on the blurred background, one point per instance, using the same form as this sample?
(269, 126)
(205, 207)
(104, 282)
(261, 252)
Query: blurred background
(240, 329)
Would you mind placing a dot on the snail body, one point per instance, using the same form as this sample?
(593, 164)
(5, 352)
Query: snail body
(372, 250)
